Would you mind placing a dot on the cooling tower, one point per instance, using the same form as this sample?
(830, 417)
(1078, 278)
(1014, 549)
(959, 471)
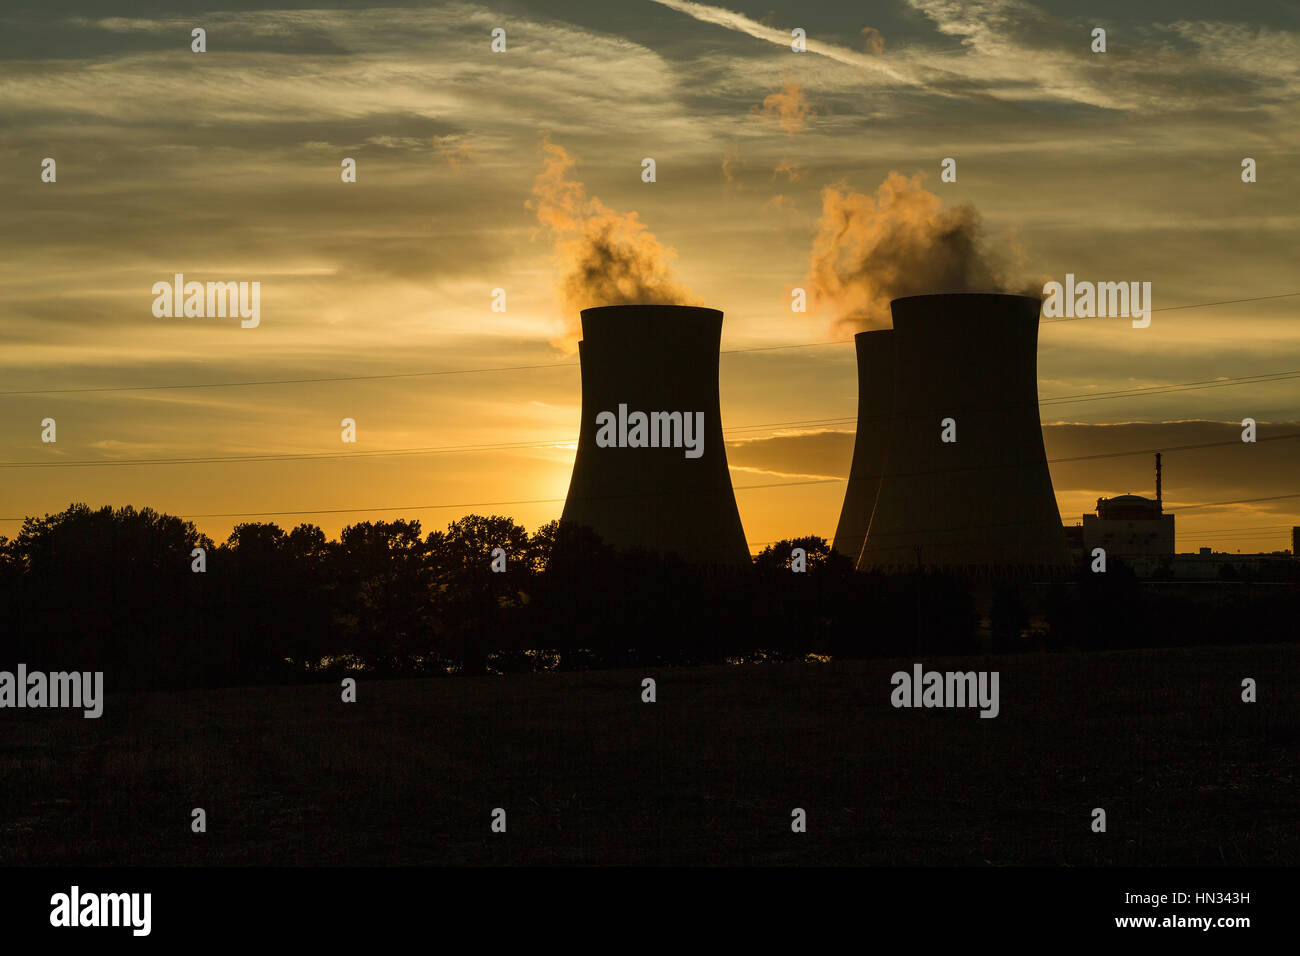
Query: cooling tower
(983, 504)
(875, 402)
(655, 360)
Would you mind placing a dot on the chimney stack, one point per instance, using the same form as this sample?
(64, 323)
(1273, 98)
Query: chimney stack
(1159, 500)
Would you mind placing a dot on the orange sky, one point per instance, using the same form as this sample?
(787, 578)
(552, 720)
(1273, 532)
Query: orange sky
(225, 166)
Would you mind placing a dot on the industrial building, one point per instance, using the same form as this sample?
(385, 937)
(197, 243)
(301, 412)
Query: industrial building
(659, 483)
(1130, 526)
(963, 482)
(1137, 531)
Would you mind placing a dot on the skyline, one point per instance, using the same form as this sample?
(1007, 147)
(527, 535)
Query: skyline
(224, 166)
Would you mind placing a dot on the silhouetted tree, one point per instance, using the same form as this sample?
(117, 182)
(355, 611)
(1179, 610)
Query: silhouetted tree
(106, 590)
(113, 590)
(384, 593)
(475, 603)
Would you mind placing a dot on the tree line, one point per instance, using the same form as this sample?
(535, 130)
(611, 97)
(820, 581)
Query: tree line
(116, 590)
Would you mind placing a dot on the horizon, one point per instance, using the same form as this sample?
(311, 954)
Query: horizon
(479, 171)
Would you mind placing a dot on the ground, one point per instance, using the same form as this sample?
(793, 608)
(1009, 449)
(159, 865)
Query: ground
(589, 774)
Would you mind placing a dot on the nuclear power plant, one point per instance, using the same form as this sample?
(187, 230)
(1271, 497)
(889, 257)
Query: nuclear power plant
(651, 468)
(949, 470)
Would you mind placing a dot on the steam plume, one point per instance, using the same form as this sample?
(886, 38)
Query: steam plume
(604, 257)
(789, 107)
(901, 242)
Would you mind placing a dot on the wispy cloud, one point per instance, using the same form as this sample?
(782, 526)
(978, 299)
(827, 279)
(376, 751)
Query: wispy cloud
(731, 20)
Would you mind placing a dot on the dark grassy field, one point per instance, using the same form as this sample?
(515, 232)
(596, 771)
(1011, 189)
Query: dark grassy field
(588, 774)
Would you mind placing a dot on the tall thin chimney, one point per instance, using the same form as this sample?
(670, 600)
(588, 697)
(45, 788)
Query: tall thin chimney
(1159, 500)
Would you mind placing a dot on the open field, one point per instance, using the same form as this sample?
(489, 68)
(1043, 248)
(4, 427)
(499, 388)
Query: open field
(588, 774)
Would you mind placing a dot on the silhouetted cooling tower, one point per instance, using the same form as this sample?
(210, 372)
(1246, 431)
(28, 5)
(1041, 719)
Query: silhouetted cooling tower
(875, 403)
(983, 504)
(654, 359)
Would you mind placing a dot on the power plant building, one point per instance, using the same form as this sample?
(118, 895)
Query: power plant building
(952, 443)
(1130, 526)
(651, 468)
(1139, 532)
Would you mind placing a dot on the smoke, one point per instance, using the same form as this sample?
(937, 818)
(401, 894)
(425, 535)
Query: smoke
(873, 40)
(901, 242)
(730, 165)
(453, 153)
(603, 257)
(793, 170)
(789, 107)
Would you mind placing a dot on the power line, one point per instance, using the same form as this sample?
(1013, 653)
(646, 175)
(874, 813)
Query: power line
(1164, 448)
(442, 449)
(465, 504)
(287, 456)
(1262, 378)
(536, 501)
(500, 446)
(291, 381)
(1237, 501)
(1175, 308)
(560, 442)
(518, 368)
(1237, 532)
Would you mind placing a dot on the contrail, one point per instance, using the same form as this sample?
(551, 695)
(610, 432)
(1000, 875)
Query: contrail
(939, 82)
(743, 24)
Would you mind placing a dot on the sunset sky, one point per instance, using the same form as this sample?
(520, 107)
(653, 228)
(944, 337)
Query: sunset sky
(479, 170)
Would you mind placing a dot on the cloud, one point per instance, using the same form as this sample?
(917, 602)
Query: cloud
(794, 171)
(603, 257)
(394, 142)
(873, 40)
(1013, 52)
(736, 21)
(453, 153)
(1013, 48)
(1194, 478)
(812, 454)
(901, 242)
(789, 107)
(730, 165)
(779, 203)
